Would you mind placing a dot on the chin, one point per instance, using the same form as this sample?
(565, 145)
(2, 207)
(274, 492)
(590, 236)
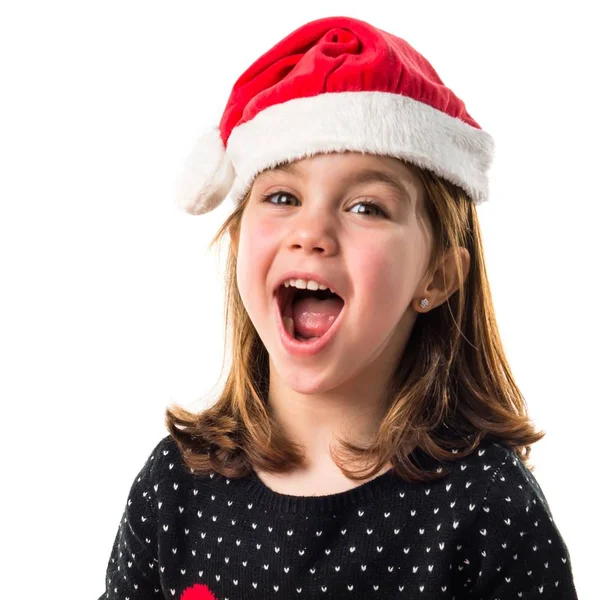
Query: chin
(306, 381)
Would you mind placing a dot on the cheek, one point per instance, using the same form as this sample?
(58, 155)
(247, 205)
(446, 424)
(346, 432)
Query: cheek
(386, 274)
(254, 249)
(256, 237)
(376, 274)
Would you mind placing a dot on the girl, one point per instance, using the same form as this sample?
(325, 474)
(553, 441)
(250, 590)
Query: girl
(370, 441)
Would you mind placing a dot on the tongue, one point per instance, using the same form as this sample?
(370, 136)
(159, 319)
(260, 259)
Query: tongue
(313, 317)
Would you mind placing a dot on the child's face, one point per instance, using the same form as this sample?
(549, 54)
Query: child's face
(316, 222)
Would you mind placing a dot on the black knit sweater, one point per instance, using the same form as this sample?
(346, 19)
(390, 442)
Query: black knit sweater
(485, 531)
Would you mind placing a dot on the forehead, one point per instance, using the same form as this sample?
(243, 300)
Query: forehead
(350, 168)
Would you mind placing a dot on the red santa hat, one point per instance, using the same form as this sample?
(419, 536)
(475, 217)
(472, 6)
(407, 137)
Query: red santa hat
(336, 84)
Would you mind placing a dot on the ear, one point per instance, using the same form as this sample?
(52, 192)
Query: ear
(445, 281)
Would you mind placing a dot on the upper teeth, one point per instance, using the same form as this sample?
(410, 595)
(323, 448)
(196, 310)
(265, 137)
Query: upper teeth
(304, 284)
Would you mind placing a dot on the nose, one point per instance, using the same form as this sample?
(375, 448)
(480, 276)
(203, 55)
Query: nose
(312, 231)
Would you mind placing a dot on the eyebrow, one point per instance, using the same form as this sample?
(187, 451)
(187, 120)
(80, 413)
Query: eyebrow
(362, 176)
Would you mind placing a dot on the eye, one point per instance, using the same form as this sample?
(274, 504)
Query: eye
(267, 197)
(370, 204)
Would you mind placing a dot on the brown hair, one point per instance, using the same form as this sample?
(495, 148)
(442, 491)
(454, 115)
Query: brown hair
(452, 388)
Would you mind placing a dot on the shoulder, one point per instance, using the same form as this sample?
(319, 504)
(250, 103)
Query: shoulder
(166, 464)
(512, 544)
(165, 451)
(162, 459)
(493, 480)
(165, 460)
(473, 476)
(159, 456)
(162, 467)
(511, 486)
(150, 472)
(503, 480)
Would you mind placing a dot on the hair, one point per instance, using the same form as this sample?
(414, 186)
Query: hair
(452, 388)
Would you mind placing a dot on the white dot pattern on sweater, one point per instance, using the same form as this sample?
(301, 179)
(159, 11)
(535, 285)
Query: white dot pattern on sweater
(484, 531)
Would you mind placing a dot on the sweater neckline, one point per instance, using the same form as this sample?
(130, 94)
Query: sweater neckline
(256, 490)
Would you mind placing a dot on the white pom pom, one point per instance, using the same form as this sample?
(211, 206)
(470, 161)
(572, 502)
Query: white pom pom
(207, 175)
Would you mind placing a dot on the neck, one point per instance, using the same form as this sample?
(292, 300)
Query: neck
(352, 412)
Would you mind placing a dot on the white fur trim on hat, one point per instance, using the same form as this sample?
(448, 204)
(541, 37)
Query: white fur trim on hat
(379, 123)
(207, 175)
(372, 122)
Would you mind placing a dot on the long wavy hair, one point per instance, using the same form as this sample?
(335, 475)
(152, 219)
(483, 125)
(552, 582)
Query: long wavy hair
(452, 388)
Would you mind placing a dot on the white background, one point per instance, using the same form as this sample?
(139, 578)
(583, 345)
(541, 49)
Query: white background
(112, 308)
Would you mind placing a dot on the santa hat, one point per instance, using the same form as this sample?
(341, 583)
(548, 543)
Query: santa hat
(336, 84)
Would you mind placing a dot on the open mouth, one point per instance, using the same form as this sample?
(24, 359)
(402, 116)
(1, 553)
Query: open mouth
(308, 314)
